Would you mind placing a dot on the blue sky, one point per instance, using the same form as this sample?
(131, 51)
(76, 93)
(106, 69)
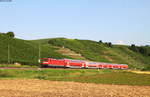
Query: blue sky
(117, 21)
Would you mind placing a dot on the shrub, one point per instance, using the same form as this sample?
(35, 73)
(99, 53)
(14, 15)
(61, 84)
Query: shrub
(100, 41)
(109, 44)
(147, 68)
(10, 34)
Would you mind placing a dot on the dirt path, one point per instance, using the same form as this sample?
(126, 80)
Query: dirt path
(140, 72)
(43, 88)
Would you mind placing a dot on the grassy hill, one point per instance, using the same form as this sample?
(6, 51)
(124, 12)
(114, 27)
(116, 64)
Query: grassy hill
(26, 51)
(95, 51)
(23, 51)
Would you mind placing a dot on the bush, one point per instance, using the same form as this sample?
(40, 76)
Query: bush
(100, 41)
(147, 68)
(10, 34)
(109, 44)
(133, 48)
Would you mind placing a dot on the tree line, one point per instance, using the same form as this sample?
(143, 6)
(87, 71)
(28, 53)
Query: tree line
(144, 50)
(109, 44)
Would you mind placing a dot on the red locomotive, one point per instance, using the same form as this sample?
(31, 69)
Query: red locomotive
(70, 63)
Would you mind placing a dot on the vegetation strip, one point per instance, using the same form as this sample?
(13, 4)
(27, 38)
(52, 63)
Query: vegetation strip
(86, 76)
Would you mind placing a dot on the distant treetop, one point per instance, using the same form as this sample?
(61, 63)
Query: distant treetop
(9, 34)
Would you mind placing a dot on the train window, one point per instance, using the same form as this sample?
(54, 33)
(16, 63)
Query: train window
(76, 61)
(93, 63)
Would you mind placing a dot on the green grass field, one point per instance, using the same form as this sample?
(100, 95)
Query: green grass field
(85, 75)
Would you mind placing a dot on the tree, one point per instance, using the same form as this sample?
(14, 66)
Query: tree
(143, 51)
(100, 41)
(110, 44)
(134, 48)
(10, 34)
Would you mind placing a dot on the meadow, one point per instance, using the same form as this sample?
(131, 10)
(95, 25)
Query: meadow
(98, 76)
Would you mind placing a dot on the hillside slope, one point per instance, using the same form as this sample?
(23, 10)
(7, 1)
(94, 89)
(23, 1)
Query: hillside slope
(27, 51)
(95, 51)
(23, 51)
